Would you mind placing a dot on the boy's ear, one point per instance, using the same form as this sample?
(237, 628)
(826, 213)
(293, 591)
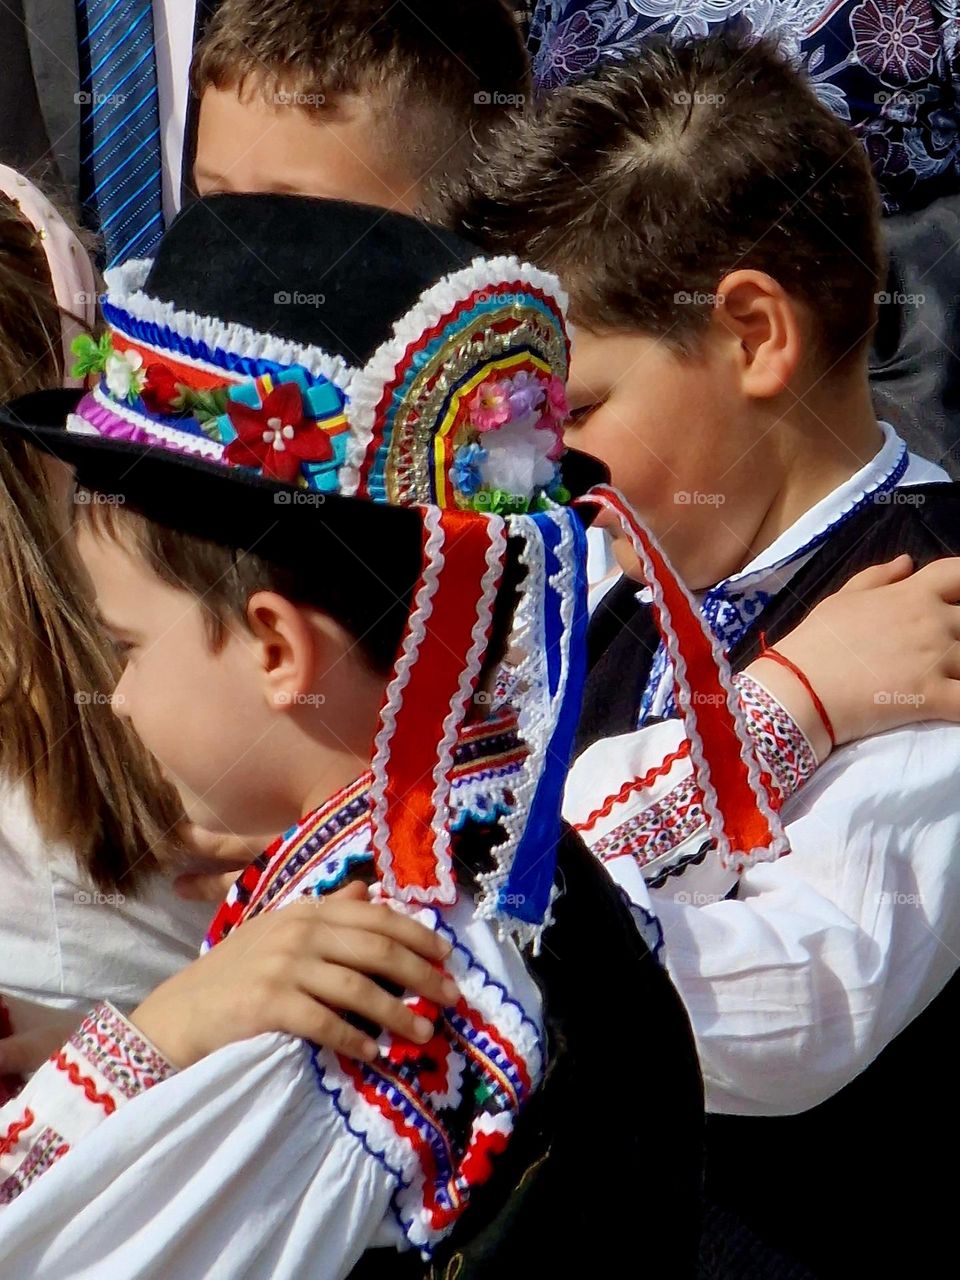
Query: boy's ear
(294, 646)
(764, 323)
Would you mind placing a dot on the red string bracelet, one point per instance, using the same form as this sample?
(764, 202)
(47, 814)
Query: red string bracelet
(775, 656)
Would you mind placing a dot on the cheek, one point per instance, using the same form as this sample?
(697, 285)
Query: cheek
(640, 456)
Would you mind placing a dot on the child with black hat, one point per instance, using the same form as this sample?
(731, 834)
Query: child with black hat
(313, 559)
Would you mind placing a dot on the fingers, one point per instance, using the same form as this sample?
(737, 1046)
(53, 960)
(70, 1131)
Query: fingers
(303, 1017)
(358, 913)
(943, 577)
(367, 952)
(346, 990)
(880, 575)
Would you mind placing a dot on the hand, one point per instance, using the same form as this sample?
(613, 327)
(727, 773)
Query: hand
(881, 652)
(26, 1051)
(211, 862)
(292, 970)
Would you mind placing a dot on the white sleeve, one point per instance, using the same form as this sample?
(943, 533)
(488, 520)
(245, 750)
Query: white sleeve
(826, 955)
(104, 1064)
(636, 803)
(237, 1168)
(269, 1153)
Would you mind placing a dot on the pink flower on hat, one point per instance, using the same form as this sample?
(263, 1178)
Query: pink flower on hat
(490, 407)
(276, 438)
(557, 406)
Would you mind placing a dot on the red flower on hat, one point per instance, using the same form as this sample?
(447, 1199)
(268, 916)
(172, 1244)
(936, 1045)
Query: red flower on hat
(160, 389)
(277, 437)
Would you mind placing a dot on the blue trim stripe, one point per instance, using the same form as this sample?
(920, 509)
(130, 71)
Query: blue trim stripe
(103, 18)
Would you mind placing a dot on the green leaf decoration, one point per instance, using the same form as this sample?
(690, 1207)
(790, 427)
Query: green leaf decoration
(204, 405)
(92, 354)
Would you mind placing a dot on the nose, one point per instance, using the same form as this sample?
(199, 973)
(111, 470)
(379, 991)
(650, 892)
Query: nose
(119, 702)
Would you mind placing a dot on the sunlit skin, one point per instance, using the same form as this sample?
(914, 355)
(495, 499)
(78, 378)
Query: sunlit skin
(722, 450)
(300, 704)
(250, 142)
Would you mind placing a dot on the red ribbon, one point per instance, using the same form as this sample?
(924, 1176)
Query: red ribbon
(741, 804)
(411, 819)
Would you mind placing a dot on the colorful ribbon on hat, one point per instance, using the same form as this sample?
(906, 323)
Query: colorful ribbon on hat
(525, 894)
(427, 700)
(735, 802)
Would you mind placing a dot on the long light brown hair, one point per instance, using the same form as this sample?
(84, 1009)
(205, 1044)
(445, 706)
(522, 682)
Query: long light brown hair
(91, 784)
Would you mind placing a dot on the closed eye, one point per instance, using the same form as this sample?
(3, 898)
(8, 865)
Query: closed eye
(577, 415)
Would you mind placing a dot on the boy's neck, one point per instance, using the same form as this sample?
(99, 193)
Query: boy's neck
(819, 444)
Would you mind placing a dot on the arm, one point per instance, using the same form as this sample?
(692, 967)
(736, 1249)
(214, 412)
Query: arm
(297, 973)
(267, 1152)
(654, 817)
(103, 1065)
(881, 654)
(824, 956)
(238, 1166)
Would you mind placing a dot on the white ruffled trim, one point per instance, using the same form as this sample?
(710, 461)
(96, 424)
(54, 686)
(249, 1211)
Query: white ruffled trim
(527, 639)
(453, 722)
(613, 501)
(485, 996)
(433, 305)
(537, 712)
(183, 441)
(413, 640)
(125, 291)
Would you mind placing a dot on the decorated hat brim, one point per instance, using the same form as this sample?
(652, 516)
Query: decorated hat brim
(233, 506)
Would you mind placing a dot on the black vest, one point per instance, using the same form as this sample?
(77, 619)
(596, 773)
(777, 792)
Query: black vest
(863, 1184)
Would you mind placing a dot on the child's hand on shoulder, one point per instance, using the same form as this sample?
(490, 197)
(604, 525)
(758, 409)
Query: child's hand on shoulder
(880, 653)
(297, 970)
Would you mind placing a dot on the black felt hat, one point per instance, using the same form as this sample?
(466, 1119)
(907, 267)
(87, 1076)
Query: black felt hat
(367, 337)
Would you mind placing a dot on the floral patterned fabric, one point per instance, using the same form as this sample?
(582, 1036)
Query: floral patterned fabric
(889, 67)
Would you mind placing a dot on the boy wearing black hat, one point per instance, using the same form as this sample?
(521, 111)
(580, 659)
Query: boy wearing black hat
(313, 557)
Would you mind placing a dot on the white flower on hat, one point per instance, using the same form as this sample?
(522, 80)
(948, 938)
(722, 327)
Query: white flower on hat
(124, 374)
(517, 457)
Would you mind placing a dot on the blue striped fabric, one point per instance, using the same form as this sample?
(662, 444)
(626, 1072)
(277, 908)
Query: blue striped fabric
(120, 125)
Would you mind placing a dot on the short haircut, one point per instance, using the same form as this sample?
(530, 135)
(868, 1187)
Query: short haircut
(441, 74)
(371, 602)
(643, 186)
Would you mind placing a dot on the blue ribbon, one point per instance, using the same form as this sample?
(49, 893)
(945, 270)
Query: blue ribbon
(526, 894)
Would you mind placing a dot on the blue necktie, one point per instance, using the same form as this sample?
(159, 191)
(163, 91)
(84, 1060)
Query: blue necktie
(120, 125)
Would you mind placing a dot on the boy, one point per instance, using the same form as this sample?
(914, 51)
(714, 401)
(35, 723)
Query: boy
(352, 99)
(717, 229)
(305, 572)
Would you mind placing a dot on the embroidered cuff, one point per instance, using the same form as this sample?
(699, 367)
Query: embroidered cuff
(123, 1059)
(779, 741)
(665, 831)
(103, 1064)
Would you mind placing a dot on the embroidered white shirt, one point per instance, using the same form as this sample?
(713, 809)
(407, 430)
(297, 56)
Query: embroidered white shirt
(823, 957)
(257, 1161)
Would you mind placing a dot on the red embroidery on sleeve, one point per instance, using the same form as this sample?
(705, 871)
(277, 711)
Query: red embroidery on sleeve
(635, 784)
(11, 1137)
(84, 1082)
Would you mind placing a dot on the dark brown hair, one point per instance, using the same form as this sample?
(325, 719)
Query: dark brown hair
(338, 583)
(441, 73)
(643, 186)
(31, 353)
